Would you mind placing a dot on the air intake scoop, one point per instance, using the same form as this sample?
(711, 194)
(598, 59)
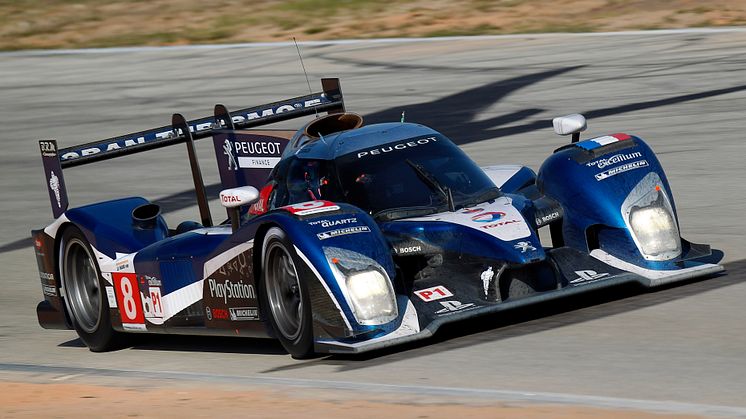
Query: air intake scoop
(333, 123)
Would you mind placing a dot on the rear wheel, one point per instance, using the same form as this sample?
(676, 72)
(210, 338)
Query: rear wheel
(286, 294)
(84, 293)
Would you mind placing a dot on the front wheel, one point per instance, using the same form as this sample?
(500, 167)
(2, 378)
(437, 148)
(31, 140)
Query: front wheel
(285, 294)
(84, 293)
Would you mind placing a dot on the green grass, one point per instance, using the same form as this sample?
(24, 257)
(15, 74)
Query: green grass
(483, 29)
(110, 23)
(330, 8)
(558, 27)
(314, 30)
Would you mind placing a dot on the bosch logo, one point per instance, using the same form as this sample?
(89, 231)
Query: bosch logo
(488, 217)
(410, 249)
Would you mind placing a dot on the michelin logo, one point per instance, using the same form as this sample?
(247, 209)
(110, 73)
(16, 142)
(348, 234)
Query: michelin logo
(621, 169)
(54, 185)
(343, 231)
(244, 313)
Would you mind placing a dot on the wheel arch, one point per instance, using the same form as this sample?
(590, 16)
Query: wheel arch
(57, 257)
(258, 261)
(333, 314)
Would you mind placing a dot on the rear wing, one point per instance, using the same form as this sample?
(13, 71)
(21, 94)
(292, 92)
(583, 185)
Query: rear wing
(54, 159)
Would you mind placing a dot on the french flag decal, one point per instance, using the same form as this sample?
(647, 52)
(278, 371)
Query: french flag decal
(597, 142)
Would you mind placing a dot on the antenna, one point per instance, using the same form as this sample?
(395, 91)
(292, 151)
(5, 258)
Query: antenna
(310, 91)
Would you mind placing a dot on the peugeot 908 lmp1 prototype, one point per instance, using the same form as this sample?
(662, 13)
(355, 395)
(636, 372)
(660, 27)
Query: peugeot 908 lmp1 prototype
(342, 237)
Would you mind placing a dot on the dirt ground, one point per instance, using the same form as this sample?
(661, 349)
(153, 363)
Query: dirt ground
(28, 24)
(32, 400)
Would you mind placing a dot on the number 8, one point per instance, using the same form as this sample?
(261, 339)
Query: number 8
(129, 303)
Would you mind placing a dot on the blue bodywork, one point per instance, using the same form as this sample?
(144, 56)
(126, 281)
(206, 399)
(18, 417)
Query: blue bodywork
(108, 226)
(341, 143)
(568, 176)
(449, 249)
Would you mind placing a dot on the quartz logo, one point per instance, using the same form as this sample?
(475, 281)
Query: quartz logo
(333, 223)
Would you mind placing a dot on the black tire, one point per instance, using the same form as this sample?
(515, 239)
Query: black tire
(284, 291)
(84, 293)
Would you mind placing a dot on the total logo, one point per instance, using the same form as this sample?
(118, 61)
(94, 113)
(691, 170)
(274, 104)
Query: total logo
(230, 199)
(488, 217)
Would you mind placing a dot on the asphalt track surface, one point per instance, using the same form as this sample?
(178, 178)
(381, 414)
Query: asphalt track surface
(679, 349)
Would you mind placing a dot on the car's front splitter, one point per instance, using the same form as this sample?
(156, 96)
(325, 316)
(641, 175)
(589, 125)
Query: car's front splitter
(409, 331)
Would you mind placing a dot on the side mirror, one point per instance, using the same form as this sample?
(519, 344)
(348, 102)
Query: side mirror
(236, 197)
(570, 124)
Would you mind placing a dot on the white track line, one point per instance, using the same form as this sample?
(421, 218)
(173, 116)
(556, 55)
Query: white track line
(119, 50)
(491, 394)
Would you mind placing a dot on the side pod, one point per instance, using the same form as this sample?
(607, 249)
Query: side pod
(616, 198)
(336, 244)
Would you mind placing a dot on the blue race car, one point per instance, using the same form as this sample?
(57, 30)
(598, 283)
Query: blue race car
(343, 238)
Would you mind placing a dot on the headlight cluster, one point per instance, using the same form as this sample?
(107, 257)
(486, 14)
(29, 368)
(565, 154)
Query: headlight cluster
(649, 215)
(655, 230)
(365, 284)
(371, 297)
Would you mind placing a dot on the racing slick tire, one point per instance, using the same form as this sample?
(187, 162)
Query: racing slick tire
(84, 296)
(284, 292)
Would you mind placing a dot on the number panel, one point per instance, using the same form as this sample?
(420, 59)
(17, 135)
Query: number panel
(128, 300)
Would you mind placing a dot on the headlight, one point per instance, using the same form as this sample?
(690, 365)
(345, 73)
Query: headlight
(649, 216)
(655, 230)
(365, 285)
(372, 299)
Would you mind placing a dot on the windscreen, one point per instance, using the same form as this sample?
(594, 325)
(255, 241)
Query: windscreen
(416, 172)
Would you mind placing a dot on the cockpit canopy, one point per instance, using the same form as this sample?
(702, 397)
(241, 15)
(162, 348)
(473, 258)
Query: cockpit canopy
(425, 171)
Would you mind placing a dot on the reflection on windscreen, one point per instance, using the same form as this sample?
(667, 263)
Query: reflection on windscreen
(379, 178)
